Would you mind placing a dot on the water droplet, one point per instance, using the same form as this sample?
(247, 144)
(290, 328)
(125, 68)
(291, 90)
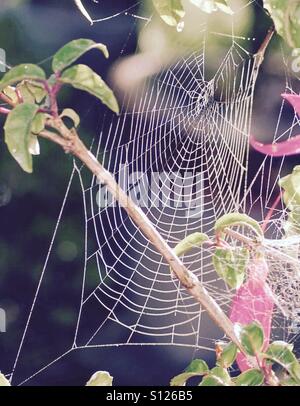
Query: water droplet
(180, 26)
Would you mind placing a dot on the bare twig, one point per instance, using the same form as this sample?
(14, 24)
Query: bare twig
(71, 143)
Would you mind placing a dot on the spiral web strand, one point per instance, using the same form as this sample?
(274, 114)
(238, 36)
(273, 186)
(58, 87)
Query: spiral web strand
(182, 141)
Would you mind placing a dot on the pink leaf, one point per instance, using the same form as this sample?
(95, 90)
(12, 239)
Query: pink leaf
(294, 100)
(289, 147)
(254, 302)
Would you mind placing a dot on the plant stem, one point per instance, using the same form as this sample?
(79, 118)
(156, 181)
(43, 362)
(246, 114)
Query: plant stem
(71, 143)
(4, 110)
(270, 212)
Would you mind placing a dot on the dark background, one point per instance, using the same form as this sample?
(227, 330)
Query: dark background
(31, 31)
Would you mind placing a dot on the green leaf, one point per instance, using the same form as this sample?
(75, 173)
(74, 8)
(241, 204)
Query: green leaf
(38, 123)
(192, 241)
(171, 11)
(31, 92)
(3, 381)
(22, 72)
(237, 219)
(231, 265)
(181, 379)
(209, 6)
(73, 50)
(100, 378)
(252, 377)
(84, 78)
(291, 196)
(285, 15)
(17, 130)
(291, 186)
(282, 354)
(217, 377)
(72, 115)
(252, 338)
(227, 356)
(198, 366)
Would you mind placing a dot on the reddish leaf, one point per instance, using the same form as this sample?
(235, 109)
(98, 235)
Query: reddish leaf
(254, 302)
(289, 147)
(294, 100)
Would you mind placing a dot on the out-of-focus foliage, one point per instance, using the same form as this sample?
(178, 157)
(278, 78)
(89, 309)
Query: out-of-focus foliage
(286, 17)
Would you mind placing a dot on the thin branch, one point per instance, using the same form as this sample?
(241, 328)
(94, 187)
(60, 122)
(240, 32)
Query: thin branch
(260, 55)
(71, 143)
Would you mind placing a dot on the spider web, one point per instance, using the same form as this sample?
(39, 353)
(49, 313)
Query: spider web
(180, 149)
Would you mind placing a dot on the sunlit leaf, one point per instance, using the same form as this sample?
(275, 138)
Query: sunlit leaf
(17, 130)
(237, 219)
(84, 78)
(192, 241)
(100, 378)
(4, 381)
(22, 72)
(73, 50)
(252, 377)
(171, 11)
